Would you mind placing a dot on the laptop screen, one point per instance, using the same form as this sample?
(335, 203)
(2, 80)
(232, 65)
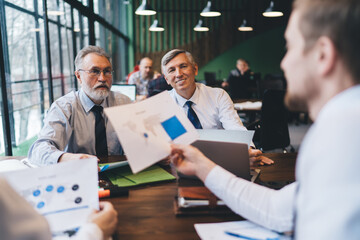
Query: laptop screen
(126, 89)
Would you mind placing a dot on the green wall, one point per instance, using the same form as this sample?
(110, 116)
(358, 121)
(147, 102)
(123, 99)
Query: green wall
(264, 52)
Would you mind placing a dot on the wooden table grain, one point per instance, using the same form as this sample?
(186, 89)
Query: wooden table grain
(148, 211)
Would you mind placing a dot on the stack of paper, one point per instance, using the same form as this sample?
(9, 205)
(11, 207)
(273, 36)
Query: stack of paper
(237, 229)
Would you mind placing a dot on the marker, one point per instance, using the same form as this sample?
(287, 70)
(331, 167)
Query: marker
(113, 192)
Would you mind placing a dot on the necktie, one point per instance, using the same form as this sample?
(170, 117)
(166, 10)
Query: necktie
(100, 132)
(192, 116)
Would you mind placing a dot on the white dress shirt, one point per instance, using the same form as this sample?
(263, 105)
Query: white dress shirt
(324, 202)
(213, 107)
(70, 127)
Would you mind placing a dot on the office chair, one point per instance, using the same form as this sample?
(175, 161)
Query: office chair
(210, 79)
(272, 130)
(271, 81)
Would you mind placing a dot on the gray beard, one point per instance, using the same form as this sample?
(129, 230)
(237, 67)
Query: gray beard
(96, 94)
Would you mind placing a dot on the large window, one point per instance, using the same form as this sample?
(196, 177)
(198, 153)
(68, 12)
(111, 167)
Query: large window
(26, 55)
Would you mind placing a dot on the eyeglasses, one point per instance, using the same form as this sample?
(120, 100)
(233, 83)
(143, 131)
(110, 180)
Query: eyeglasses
(97, 72)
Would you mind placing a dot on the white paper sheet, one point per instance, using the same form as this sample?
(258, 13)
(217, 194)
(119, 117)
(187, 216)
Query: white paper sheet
(64, 193)
(146, 129)
(237, 229)
(248, 105)
(11, 165)
(237, 136)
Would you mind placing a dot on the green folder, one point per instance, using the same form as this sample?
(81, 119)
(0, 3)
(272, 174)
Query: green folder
(123, 176)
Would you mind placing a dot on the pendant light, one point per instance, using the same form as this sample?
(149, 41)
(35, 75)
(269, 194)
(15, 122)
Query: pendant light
(209, 11)
(200, 27)
(156, 27)
(145, 9)
(272, 11)
(244, 27)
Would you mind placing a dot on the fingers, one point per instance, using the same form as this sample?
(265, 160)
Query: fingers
(254, 152)
(266, 160)
(105, 205)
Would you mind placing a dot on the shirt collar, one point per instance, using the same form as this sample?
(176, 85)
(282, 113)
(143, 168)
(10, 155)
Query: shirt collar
(194, 98)
(87, 102)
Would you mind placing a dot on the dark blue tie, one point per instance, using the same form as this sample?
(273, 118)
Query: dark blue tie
(100, 132)
(192, 116)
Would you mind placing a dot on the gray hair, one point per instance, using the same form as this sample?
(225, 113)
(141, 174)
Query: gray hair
(172, 54)
(87, 50)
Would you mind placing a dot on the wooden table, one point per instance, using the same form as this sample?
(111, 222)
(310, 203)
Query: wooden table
(147, 213)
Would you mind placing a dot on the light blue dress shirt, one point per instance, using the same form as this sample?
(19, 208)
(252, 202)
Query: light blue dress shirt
(70, 127)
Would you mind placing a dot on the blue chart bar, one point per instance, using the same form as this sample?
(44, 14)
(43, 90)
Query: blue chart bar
(173, 127)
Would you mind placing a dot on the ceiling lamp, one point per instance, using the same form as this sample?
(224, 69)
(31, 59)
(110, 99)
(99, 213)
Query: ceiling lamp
(200, 27)
(156, 27)
(145, 9)
(272, 11)
(244, 27)
(209, 11)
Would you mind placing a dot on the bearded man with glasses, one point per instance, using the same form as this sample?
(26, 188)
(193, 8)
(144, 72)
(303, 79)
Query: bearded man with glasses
(75, 126)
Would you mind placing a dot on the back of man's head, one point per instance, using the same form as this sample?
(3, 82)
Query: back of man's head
(337, 19)
(87, 50)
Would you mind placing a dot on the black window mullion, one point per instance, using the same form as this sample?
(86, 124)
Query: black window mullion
(39, 57)
(73, 36)
(4, 96)
(48, 53)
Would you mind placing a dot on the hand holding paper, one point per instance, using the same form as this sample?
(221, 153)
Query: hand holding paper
(147, 128)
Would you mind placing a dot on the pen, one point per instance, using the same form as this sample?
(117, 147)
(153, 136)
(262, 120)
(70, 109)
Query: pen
(113, 192)
(246, 237)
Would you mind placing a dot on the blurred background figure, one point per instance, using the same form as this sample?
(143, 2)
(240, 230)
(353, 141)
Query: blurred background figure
(239, 80)
(143, 76)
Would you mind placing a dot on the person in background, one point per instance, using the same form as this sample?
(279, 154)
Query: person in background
(158, 85)
(206, 107)
(239, 80)
(76, 126)
(323, 76)
(135, 69)
(143, 76)
(19, 220)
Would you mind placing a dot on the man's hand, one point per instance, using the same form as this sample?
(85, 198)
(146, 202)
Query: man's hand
(190, 161)
(256, 158)
(74, 156)
(105, 218)
(224, 84)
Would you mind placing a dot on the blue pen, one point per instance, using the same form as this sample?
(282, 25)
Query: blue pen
(246, 237)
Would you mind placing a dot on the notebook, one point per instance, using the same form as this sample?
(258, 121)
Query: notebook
(232, 156)
(126, 89)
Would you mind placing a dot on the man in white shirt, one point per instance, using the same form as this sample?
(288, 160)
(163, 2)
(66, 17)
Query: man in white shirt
(323, 76)
(212, 107)
(143, 76)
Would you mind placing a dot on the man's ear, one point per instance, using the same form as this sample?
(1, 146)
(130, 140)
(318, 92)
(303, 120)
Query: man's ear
(77, 75)
(326, 55)
(196, 69)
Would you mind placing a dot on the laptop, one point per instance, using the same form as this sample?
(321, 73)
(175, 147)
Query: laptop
(233, 157)
(126, 89)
